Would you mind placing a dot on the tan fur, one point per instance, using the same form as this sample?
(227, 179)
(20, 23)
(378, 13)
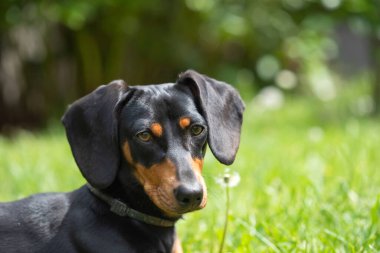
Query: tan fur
(177, 247)
(156, 129)
(127, 152)
(197, 165)
(158, 181)
(184, 122)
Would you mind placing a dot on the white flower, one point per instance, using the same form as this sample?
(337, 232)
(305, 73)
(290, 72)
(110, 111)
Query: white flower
(229, 178)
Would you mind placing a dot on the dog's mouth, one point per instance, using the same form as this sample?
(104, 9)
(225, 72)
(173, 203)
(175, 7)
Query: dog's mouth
(160, 184)
(165, 200)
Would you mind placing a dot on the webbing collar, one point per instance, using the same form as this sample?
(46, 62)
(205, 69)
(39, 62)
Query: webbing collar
(120, 208)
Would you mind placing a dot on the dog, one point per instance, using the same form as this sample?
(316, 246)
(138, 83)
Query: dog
(140, 149)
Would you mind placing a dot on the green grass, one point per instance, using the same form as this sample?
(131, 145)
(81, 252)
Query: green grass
(310, 182)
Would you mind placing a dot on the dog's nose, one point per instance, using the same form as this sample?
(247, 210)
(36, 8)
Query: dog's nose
(189, 196)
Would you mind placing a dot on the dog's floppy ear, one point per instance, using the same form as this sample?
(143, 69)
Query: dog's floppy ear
(91, 128)
(222, 108)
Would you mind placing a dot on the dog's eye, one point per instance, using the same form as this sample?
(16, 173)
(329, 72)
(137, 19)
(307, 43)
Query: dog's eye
(144, 136)
(196, 130)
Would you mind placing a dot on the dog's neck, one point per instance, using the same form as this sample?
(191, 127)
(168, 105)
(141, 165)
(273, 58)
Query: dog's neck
(122, 209)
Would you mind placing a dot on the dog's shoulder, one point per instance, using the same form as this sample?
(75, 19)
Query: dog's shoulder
(44, 212)
(30, 221)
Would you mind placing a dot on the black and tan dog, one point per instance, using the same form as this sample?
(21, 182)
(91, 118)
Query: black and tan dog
(141, 151)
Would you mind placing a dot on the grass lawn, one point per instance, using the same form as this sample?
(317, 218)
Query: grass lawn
(310, 182)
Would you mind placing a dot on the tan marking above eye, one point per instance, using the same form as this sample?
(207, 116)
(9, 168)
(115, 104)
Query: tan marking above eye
(184, 122)
(156, 129)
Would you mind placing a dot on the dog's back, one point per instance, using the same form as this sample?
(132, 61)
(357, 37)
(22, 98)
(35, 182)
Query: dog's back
(30, 222)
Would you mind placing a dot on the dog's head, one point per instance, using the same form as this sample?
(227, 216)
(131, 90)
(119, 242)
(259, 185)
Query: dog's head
(160, 132)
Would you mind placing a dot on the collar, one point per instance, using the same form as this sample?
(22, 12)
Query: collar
(122, 209)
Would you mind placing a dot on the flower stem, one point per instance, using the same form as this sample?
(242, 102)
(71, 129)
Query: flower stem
(226, 219)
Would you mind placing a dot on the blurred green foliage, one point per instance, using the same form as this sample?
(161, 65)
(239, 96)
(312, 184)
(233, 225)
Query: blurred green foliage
(308, 160)
(53, 52)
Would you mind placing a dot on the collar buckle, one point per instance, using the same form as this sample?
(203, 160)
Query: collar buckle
(118, 207)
